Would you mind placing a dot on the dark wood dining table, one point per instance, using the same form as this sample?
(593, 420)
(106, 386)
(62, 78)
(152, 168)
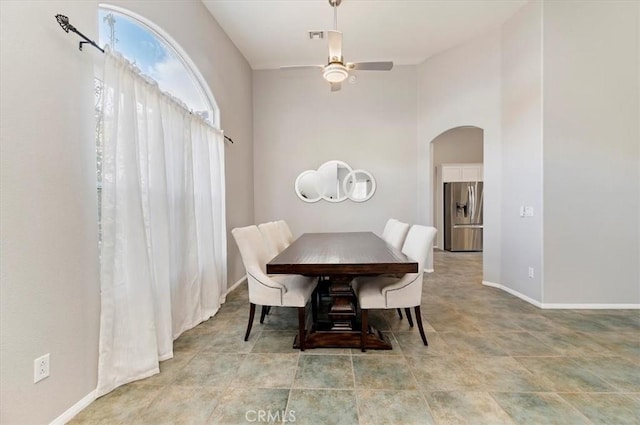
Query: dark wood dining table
(336, 258)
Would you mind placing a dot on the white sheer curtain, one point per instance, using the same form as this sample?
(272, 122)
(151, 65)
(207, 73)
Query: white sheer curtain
(163, 255)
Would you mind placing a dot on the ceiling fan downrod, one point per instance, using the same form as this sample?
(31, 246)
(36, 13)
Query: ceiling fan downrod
(335, 4)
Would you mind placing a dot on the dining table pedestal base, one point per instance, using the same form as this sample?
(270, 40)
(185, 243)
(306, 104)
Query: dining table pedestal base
(337, 324)
(342, 312)
(327, 338)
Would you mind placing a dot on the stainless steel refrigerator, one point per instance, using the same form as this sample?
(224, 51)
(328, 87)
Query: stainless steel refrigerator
(463, 216)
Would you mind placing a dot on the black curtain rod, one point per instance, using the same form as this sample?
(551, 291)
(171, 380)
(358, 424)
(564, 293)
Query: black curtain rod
(66, 26)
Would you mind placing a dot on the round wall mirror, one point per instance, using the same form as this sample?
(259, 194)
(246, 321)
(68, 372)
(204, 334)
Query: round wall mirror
(335, 181)
(359, 185)
(307, 186)
(332, 175)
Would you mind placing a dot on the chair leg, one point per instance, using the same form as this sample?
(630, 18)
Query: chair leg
(399, 313)
(263, 313)
(408, 313)
(301, 327)
(419, 320)
(252, 312)
(364, 330)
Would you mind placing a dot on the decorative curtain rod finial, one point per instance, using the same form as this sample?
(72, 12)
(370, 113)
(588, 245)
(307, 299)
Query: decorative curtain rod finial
(64, 23)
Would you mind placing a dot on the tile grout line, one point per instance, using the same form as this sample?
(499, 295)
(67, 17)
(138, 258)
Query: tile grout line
(293, 379)
(355, 387)
(418, 385)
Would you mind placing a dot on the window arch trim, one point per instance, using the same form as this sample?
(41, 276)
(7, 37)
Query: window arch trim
(186, 60)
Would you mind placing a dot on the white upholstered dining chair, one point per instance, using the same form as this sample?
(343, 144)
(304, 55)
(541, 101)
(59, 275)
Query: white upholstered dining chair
(388, 292)
(394, 233)
(274, 290)
(278, 234)
(277, 237)
(286, 232)
(387, 228)
(273, 238)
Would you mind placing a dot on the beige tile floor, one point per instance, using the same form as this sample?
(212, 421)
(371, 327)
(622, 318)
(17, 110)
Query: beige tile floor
(492, 359)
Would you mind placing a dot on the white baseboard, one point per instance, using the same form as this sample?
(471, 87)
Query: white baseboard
(550, 306)
(75, 409)
(235, 285)
(515, 293)
(591, 306)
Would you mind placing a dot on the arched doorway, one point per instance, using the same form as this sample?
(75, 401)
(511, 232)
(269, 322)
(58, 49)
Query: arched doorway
(450, 151)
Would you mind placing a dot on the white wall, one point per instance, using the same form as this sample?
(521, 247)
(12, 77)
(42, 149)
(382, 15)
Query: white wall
(591, 152)
(48, 208)
(456, 88)
(522, 151)
(299, 124)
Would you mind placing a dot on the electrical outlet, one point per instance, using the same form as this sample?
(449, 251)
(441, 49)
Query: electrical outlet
(40, 368)
(530, 272)
(528, 211)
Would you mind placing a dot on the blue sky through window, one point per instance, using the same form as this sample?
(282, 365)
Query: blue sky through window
(153, 57)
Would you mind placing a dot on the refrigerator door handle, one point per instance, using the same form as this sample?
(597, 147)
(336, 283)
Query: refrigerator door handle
(472, 202)
(468, 226)
(475, 214)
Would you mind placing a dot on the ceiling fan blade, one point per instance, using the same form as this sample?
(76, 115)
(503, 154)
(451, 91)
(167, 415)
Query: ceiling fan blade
(295, 67)
(336, 86)
(371, 66)
(335, 46)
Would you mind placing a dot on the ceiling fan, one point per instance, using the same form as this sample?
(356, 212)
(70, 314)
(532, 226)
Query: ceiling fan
(337, 70)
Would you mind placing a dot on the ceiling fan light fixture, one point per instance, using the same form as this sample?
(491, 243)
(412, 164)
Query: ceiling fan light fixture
(335, 73)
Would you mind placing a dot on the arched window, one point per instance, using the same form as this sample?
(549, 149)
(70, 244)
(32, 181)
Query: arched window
(158, 57)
